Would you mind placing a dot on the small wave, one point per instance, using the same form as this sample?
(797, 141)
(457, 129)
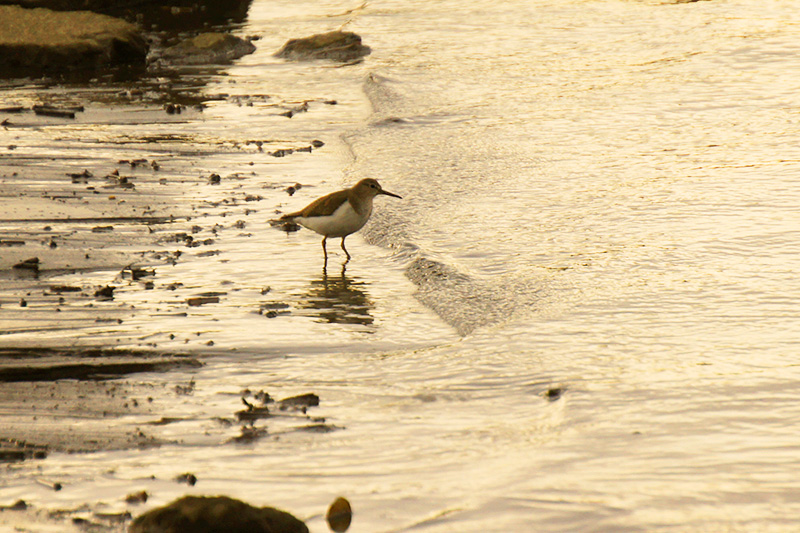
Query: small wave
(461, 301)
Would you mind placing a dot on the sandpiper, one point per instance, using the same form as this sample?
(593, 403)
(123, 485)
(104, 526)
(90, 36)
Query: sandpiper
(340, 213)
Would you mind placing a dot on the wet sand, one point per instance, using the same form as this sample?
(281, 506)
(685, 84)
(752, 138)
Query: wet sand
(109, 211)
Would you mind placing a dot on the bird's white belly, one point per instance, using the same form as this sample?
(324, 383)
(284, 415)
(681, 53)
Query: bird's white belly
(341, 223)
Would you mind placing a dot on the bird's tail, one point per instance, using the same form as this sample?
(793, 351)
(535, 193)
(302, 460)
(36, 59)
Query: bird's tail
(286, 222)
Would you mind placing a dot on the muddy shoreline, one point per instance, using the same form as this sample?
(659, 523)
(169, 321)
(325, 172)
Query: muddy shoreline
(96, 208)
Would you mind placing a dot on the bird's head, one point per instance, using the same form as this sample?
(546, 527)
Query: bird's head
(370, 187)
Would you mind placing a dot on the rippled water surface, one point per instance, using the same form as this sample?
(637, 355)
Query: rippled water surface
(599, 199)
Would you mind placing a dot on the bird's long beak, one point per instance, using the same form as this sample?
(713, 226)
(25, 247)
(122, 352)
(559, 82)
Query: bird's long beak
(387, 193)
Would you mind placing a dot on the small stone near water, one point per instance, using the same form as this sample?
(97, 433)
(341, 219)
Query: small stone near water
(8, 456)
(252, 412)
(202, 300)
(28, 264)
(137, 497)
(208, 48)
(339, 516)
(105, 293)
(19, 505)
(173, 109)
(135, 273)
(553, 394)
(335, 45)
(302, 108)
(188, 478)
(210, 514)
(58, 289)
(48, 111)
(300, 402)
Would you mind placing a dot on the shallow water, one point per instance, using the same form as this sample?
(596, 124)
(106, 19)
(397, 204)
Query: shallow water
(598, 196)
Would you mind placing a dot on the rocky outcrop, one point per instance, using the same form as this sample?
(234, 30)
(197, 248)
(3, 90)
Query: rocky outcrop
(154, 15)
(215, 514)
(335, 45)
(207, 49)
(45, 41)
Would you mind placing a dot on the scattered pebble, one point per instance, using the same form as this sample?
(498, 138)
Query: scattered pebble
(105, 293)
(188, 478)
(553, 394)
(202, 300)
(137, 497)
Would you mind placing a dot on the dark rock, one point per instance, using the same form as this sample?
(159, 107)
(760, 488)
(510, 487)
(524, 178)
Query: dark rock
(553, 394)
(208, 48)
(157, 15)
(304, 400)
(136, 273)
(7, 456)
(335, 45)
(40, 41)
(19, 505)
(339, 515)
(253, 413)
(302, 108)
(28, 264)
(105, 293)
(58, 289)
(215, 514)
(49, 111)
(188, 478)
(202, 300)
(137, 497)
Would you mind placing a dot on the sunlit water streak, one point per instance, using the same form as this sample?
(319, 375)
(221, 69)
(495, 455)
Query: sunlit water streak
(599, 196)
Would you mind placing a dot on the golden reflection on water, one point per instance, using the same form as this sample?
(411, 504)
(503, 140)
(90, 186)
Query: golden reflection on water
(338, 299)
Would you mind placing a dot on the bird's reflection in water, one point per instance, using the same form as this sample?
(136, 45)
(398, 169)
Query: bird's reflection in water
(338, 299)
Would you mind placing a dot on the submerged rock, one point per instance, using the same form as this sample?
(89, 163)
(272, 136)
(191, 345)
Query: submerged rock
(208, 48)
(215, 514)
(335, 45)
(40, 41)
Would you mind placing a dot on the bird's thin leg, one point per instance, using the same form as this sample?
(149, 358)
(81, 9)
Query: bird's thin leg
(345, 249)
(325, 251)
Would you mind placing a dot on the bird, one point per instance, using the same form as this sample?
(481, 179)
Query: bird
(340, 213)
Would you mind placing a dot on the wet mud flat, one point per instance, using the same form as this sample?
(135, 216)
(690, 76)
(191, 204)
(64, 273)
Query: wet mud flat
(87, 401)
(104, 208)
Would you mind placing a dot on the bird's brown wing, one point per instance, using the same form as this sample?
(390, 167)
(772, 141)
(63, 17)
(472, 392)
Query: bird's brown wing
(323, 206)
